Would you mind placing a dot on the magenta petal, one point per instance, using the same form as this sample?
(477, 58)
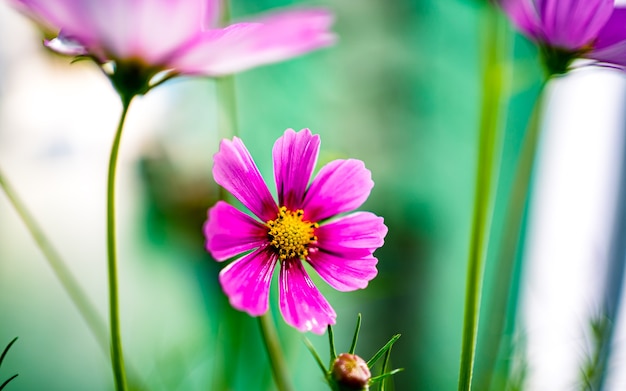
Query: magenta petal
(229, 232)
(68, 15)
(567, 24)
(301, 303)
(235, 170)
(525, 16)
(66, 46)
(340, 186)
(271, 39)
(295, 155)
(356, 231)
(610, 46)
(135, 28)
(572, 24)
(344, 274)
(246, 282)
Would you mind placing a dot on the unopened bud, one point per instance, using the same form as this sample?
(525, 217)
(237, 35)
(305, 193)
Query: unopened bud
(351, 372)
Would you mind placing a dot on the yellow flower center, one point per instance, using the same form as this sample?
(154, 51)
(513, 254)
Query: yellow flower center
(290, 234)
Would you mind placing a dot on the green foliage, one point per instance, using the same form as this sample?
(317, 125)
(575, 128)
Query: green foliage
(2, 357)
(384, 351)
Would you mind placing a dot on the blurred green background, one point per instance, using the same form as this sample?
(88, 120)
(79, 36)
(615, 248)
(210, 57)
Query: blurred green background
(400, 91)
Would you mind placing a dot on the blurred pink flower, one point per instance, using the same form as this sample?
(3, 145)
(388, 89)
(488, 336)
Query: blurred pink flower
(178, 35)
(593, 29)
(303, 227)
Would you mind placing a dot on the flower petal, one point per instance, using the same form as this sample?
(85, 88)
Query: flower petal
(344, 274)
(610, 46)
(138, 30)
(301, 303)
(340, 186)
(572, 24)
(69, 15)
(246, 281)
(235, 170)
(525, 17)
(66, 46)
(230, 232)
(245, 45)
(295, 155)
(123, 29)
(357, 234)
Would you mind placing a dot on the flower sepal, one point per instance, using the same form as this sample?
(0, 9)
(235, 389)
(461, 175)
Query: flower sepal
(131, 78)
(557, 61)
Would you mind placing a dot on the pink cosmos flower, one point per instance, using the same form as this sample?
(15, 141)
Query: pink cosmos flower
(567, 29)
(306, 225)
(178, 35)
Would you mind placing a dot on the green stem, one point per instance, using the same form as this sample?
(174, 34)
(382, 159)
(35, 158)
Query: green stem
(70, 284)
(227, 103)
(117, 357)
(492, 91)
(225, 88)
(227, 113)
(503, 300)
(277, 362)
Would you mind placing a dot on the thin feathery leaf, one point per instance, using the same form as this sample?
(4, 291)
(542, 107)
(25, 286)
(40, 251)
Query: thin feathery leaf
(6, 350)
(384, 369)
(7, 382)
(385, 375)
(80, 58)
(356, 334)
(316, 356)
(331, 341)
(382, 350)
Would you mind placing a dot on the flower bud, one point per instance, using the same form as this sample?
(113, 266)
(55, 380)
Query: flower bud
(351, 372)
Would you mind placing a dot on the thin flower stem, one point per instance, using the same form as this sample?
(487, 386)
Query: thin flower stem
(117, 357)
(227, 128)
(277, 361)
(492, 91)
(70, 284)
(227, 114)
(503, 300)
(227, 124)
(225, 87)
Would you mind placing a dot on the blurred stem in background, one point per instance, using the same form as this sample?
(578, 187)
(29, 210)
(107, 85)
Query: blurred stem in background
(502, 307)
(493, 75)
(227, 128)
(227, 105)
(603, 328)
(227, 114)
(277, 361)
(69, 283)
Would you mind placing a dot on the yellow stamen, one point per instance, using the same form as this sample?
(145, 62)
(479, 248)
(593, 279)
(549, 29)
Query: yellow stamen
(290, 234)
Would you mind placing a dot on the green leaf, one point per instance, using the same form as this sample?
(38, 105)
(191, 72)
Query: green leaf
(382, 350)
(331, 341)
(7, 382)
(356, 334)
(6, 350)
(309, 346)
(385, 375)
